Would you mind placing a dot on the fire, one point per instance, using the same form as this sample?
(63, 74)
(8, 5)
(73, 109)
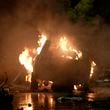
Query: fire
(27, 57)
(93, 64)
(41, 43)
(26, 60)
(28, 77)
(45, 85)
(75, 87)
(68, 50)
(67, 57)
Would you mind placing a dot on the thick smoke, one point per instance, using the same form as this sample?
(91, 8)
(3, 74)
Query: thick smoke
(21, 19)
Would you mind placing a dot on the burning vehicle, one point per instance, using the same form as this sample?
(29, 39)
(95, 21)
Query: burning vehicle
(56, 61)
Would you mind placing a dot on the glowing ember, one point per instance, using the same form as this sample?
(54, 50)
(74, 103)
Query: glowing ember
(45, 85)
(67, 57)
(93, 64)
(68, 50)
(28, 78)
(75, 87)
(80, 85)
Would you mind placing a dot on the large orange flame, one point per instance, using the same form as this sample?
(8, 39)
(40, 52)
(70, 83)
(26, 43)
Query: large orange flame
(26, 59)
(68, 50)
(93, 64)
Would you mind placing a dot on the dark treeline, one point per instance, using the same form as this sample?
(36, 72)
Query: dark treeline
(102, 8)
(75, 9)
(88, 9)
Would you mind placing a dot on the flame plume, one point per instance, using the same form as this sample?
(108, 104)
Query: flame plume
(41, 43)
(67, 49)
(26, 59)
(93, 64)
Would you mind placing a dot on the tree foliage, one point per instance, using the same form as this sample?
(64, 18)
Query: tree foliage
(87, 9)
(81, 10)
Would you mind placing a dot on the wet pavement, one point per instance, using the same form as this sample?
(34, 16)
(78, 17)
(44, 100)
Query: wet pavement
(46, 101)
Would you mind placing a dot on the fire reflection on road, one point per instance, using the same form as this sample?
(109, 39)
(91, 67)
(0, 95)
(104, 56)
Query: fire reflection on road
(23, 101)
(30, 101)
(46, 100)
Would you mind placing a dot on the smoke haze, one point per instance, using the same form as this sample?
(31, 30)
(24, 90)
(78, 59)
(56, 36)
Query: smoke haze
(20, 20)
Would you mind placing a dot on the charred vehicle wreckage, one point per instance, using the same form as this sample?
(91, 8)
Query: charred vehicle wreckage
(57, 66)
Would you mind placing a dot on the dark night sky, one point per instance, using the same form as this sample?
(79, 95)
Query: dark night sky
(20, 19)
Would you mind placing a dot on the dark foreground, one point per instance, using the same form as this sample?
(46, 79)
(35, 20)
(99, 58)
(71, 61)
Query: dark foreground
(48, 101)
